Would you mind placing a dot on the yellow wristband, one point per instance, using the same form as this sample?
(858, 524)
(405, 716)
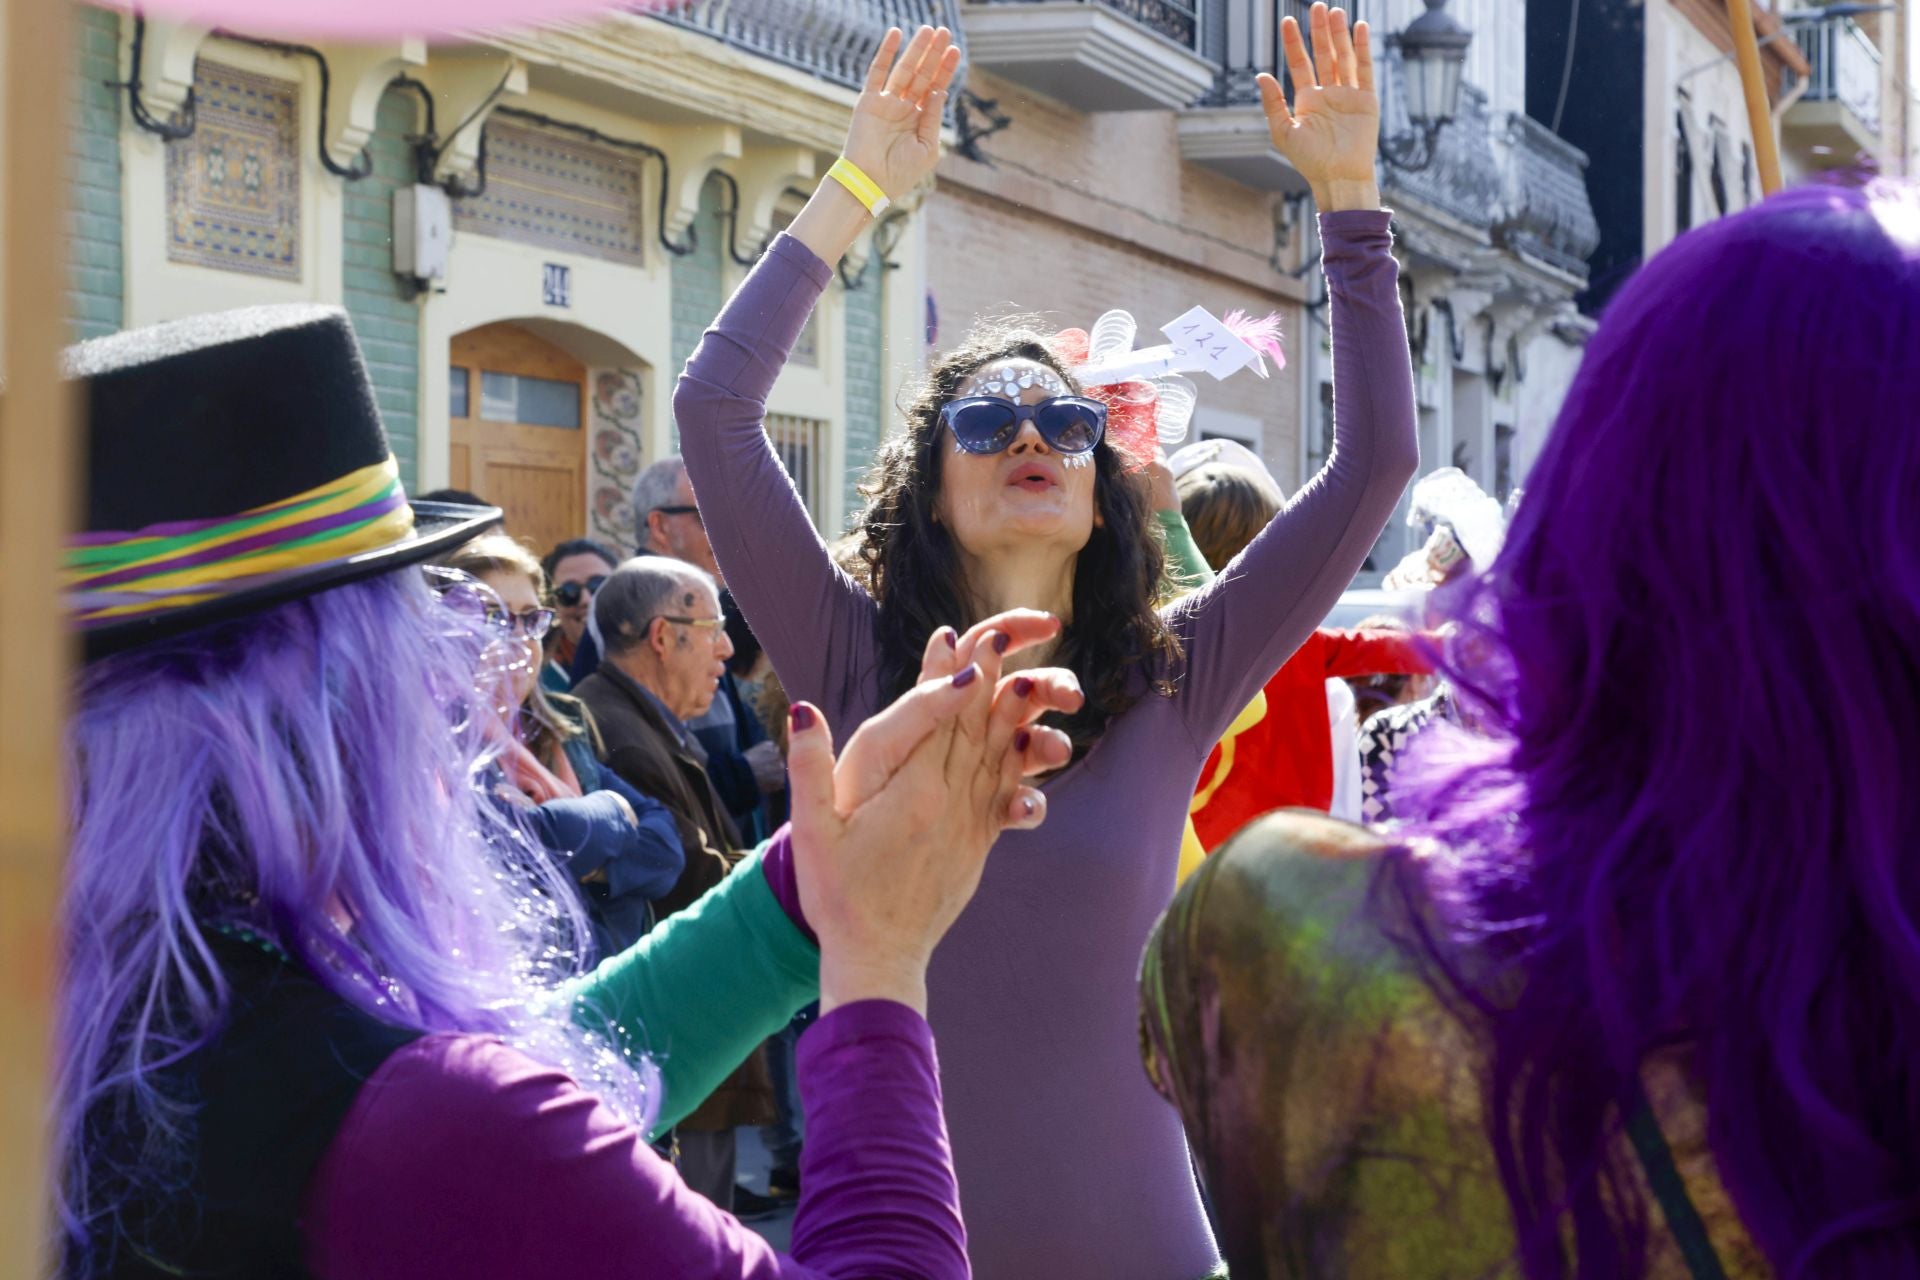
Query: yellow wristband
(864, 189)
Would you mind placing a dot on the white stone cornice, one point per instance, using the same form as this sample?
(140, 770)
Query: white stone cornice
(167, 56)
(692, 154)
(1236, 141)
(763, 175)
(361, 74)
(466, 87)
(668, 72)
(1085, 55)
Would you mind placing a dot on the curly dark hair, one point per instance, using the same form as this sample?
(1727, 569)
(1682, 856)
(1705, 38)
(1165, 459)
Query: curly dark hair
(1116, 642)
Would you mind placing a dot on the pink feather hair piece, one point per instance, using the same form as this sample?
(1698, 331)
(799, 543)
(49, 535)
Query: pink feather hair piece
(1262, 335)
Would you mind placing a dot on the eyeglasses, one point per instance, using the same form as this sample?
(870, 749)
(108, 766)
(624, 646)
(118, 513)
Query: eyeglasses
(474, 599)
(989, 424)
(701, 624)
(468, 598)
(680, 511)
(569, 594)
(533, 623)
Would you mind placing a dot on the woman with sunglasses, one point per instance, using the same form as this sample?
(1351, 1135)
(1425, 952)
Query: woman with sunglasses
(620, 847)
(1003, 490)
(576, 570)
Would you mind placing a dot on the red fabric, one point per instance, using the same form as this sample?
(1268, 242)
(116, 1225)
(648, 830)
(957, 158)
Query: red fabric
(1286, 760)
(1133, 415)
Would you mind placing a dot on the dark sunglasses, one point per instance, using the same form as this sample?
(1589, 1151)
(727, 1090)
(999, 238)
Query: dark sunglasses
(680, 511)
(988, 424)
(569, 594)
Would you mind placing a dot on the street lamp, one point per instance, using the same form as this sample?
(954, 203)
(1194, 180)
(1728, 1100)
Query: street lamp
(1433, 53)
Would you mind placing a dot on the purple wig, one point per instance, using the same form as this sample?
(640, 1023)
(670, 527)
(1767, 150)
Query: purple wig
(1696, 824)
(304, 774)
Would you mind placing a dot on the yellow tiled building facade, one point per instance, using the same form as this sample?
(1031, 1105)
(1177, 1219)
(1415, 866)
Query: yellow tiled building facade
(597, 189)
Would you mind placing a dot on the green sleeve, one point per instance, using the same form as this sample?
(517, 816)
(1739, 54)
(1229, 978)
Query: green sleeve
(705, 987)
(1187, 569)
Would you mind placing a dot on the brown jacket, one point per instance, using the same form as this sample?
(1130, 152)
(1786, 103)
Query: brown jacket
(644, 750)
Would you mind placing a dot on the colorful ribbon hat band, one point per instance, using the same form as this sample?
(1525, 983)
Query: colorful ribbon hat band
(112, 577)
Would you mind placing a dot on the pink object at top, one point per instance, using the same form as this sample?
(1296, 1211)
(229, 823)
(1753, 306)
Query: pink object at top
(376, 19)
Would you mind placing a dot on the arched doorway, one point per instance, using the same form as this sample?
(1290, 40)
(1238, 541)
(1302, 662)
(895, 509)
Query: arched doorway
(518, 405)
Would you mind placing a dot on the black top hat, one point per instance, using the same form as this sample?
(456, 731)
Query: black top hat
(237, 461)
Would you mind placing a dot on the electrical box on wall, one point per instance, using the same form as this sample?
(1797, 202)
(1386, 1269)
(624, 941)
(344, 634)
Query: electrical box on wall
(422, 231)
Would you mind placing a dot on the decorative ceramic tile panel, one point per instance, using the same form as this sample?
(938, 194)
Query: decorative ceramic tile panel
(617, 452)
(558, 192)
(233, 185)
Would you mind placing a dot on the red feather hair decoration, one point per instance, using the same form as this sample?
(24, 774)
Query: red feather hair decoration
(1145, 414)
(1132, 407)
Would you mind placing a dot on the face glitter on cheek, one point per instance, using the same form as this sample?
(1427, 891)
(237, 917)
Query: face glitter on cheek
(1075, 461)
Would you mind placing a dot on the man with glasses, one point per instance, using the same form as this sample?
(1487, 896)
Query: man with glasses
(666, 518)
(743, 764)
(666, 651)
(666, 522)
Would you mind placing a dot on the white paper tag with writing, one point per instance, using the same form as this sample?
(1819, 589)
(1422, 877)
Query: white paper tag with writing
(1199, 335)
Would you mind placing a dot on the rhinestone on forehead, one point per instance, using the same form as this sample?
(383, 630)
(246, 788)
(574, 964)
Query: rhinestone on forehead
(1010, 380)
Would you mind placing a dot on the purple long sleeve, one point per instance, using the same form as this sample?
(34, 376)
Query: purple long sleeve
(777, 865)
(814, 622)
(1243, 626)
(1070, 1165)
(465, 1158)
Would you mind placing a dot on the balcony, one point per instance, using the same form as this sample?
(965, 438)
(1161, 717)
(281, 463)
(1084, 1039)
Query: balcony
(1838, 115)
(1546, 215)
(1093, 55)
(831, 39)
(1225, 130)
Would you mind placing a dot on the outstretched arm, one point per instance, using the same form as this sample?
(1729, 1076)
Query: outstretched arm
(816, 624)
(1378, 652)
(1239, 630)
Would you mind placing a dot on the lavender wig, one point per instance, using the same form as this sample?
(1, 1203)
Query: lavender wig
(304, 774)
(1696, 825)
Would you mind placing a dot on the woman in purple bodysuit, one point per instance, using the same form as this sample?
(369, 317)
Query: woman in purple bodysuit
(1069, 1166)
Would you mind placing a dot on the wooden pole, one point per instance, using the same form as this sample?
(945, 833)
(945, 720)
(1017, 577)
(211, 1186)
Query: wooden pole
(1746, 51)
(37, 477)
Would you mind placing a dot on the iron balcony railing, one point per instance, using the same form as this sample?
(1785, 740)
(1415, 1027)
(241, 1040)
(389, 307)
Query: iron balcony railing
(832, 39)
(1242, 38)
(1463, 179)
(1547, 212)
(1845, 67)
(1177, 20)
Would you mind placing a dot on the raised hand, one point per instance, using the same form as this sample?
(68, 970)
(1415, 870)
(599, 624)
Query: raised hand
(890, 841)
(1332, 132)
(895, 134)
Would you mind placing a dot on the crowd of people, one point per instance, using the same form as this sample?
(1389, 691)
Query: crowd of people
(442, 907)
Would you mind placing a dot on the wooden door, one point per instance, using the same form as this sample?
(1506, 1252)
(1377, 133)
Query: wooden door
(519, 410)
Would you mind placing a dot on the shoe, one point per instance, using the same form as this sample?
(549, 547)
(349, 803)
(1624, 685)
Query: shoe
(783, 1183)
(751, 1206)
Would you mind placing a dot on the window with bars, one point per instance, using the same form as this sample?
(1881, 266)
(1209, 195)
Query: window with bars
(1716, 168)
(802, 446)
(1682, 174)
(1502, 462)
